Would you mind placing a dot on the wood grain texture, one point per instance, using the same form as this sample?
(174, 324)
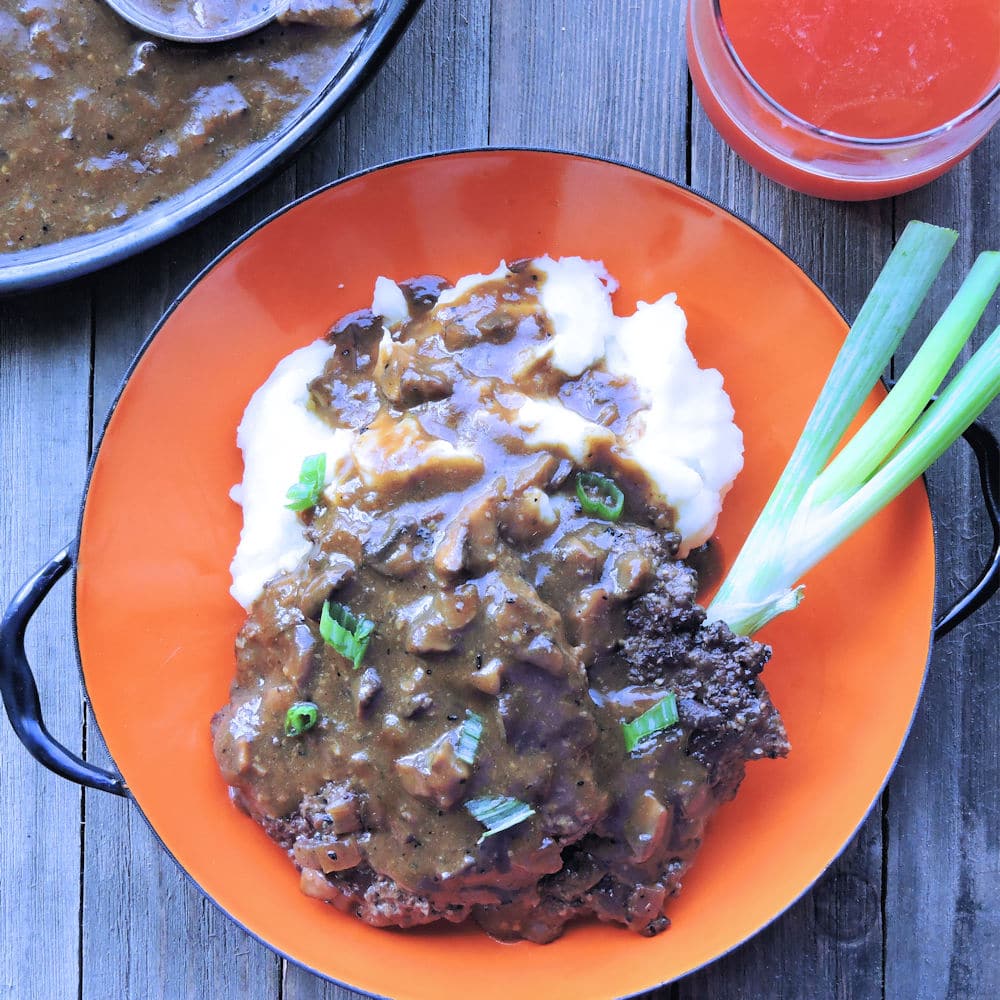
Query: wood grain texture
(606, 77)
(90, 904)
(432, 94)
(44, 416)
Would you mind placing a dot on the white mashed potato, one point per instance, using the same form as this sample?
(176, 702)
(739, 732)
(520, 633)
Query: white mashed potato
(684, 439)
(272, 541)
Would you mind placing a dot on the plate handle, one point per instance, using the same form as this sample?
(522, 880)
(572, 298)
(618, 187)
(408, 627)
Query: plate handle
(987, 451)
(20, 693)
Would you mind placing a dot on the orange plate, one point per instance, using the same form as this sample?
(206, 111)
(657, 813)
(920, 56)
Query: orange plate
(156, 622)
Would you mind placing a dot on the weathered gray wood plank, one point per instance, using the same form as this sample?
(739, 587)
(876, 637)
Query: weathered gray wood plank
(44, 413)
(430, 95)
(943, 814)
(606, 77)
(827, 945)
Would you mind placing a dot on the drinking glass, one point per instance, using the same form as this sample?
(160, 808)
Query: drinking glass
(804, 156)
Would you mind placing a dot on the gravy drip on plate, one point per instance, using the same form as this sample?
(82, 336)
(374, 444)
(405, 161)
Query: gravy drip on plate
(99, 121)
(492, 592)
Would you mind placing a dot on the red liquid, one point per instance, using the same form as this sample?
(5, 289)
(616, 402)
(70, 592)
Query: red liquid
(869, 68)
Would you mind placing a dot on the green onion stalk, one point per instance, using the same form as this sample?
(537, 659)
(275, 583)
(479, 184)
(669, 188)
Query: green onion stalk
(818, 503)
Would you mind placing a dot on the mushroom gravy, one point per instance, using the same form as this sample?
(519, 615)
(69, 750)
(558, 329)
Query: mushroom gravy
(99, 121)
(495, 593)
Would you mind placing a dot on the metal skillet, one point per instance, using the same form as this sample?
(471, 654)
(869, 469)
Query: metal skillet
(79, 255)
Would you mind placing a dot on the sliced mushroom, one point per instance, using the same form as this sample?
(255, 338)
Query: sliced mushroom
(435, 773)
(369, 687)
(469, 542)
(488, 677)
(434, 623)
(407, 376)
(338, 573)
(647, 826)
(395, 453)
(333, 854)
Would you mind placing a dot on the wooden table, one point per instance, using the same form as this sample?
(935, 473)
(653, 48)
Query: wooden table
(90, 905)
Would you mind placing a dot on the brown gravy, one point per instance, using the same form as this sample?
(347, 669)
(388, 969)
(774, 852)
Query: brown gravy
(492, 591)
(99, 122)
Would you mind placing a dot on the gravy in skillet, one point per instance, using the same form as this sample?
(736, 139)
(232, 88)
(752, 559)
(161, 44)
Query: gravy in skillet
(99, 121)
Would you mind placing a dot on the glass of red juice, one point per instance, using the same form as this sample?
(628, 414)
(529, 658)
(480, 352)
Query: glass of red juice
(848, 99)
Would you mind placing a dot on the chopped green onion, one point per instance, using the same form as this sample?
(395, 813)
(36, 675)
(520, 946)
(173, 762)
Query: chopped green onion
(312, 477)
(349, 634)
(498, 812)
(468, 737)
(661, 716)
(300, 717)
(813, 509)
(599, 496)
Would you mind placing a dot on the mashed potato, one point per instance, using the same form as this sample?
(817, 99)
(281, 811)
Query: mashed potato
(683, 439)
(278, 413)
(686, 440)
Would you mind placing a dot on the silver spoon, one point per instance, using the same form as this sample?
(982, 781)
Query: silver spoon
(199, 21)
